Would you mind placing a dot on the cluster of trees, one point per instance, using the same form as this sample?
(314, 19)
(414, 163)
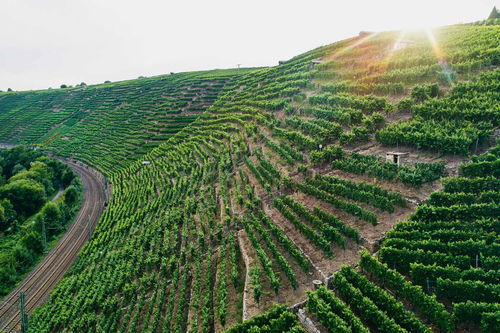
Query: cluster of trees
(28, 180)
(82, 84)
(495, 14)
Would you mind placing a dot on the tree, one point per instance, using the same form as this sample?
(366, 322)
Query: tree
(67, 176)
(40, 173)
(33, 242)
(495, 13)
(52, 216)
(23, 256)
(70, 195)
(2, 215)
(26, 195)
(17, 168)
(9, 89)
(63, 86)
(7, 270)
(17, 155)
(7, 214)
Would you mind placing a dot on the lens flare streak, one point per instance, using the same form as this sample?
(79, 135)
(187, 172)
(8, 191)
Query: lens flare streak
(352, 46)
(439, 55)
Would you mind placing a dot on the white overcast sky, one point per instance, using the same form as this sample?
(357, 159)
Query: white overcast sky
(44, 43)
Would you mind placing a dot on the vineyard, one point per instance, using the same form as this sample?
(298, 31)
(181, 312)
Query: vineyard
(444, 264)
(234, 190)
(111, 123)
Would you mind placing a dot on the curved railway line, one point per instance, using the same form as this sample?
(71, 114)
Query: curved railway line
(43, 278)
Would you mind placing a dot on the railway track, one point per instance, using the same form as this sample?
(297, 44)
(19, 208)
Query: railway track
(47, 273)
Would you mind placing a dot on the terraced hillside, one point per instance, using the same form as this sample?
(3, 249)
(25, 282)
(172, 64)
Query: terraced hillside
(280, 182)
(438, 271)
(110, 123)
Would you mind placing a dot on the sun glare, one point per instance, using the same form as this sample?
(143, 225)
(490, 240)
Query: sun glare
(353, 45)
(439, 55)
(435, 46)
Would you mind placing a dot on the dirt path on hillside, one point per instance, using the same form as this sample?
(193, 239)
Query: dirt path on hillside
(58, 195)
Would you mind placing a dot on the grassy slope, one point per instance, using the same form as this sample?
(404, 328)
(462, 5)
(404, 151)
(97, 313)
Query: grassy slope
(158, 258)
